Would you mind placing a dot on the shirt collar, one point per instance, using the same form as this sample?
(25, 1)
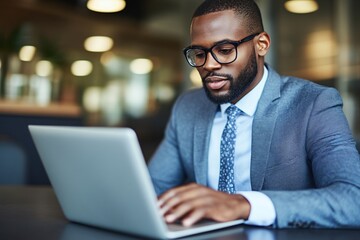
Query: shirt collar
(249, 102)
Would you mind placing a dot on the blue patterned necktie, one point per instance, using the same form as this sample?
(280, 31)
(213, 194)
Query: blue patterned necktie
(227, 151)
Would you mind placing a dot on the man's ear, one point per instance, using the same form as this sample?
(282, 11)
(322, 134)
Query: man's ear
(263, 44)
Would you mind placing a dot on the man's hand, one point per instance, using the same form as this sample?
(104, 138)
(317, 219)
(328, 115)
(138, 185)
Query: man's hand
(193, 202)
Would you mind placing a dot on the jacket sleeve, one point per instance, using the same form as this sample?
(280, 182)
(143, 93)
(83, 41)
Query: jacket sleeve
(335, 164)
(165, 166)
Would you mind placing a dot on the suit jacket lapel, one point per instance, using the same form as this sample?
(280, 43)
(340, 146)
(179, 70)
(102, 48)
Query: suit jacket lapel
(202, 131)
(263, 128)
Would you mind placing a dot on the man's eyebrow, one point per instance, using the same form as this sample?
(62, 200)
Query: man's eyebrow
(224, 41)
(215, 43)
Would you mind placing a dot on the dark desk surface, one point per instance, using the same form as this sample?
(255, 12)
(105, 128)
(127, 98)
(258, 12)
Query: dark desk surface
(34, 213)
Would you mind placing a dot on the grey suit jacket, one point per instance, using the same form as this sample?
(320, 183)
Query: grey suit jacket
(303, 155)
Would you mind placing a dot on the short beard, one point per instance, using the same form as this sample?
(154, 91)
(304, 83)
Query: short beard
(238, 86)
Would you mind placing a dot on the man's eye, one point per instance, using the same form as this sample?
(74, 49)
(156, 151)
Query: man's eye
(225, 51)
(199, 55)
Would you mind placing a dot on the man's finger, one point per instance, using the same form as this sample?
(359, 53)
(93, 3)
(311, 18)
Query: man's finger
(176, 196)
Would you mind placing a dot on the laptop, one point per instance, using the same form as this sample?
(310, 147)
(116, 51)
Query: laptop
(100, 178)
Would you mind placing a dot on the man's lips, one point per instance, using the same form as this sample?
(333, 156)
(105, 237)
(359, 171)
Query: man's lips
(216, 83)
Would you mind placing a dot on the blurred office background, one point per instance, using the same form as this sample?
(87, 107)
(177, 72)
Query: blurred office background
(53, 72)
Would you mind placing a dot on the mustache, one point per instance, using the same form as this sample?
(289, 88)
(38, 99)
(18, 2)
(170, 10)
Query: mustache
(214, 74)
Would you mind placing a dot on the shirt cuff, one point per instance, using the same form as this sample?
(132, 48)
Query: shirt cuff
(262, 211)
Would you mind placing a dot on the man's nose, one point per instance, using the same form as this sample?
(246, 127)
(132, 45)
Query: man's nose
(211, 63)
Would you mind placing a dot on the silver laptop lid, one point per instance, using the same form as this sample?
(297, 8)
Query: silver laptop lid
(100, 177)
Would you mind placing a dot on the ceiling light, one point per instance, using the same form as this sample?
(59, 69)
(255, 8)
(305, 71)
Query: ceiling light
(81, 68)
(98, 44)
(141, 66)
(27, 53)
(44, 68)
(106, 6)
(301, 6)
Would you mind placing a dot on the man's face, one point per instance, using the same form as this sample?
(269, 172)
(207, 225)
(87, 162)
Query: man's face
(225, 82)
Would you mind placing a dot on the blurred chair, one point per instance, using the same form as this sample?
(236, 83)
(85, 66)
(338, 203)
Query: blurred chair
(13, 162)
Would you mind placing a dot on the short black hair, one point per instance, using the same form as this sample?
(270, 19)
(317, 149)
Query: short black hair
(247, 9)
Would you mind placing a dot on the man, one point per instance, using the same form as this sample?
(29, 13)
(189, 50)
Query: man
(285, 159)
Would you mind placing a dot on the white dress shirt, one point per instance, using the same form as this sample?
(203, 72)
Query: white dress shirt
(262, 209)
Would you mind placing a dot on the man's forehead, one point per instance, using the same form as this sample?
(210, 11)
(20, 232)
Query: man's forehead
(217, 26)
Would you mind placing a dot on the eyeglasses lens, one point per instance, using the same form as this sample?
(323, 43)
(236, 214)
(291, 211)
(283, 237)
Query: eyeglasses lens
(223, 53)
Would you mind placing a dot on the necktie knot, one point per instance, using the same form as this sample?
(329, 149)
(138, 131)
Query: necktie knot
(233, 112)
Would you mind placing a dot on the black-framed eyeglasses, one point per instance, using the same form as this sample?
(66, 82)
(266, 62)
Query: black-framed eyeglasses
(223, 52)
